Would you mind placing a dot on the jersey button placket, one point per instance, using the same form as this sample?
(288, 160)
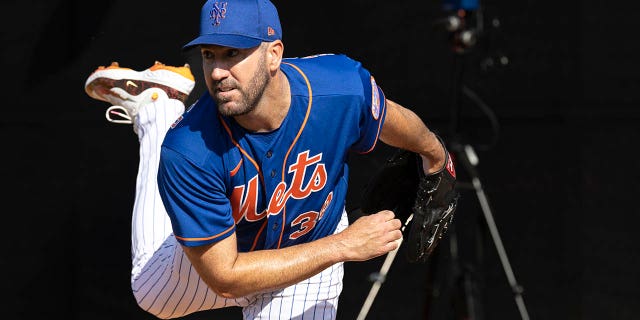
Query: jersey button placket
(269, 154)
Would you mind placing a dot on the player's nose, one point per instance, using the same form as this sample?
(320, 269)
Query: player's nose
(219, 72)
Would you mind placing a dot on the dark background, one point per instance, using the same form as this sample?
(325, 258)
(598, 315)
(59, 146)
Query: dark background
(559, 171)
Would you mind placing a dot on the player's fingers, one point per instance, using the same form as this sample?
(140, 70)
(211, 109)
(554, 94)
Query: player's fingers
(386, 214)
(395, 224)
(391, 225)
(392, 245)
(395, 235)
(389, 238)
(377, 220)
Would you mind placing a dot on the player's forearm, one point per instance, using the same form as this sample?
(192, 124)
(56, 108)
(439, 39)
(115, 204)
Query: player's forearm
(266, 270)
(272, 269)
(404, 129)
(232, 274)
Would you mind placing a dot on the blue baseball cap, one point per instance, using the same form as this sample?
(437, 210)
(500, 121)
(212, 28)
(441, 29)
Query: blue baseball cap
(237, 24)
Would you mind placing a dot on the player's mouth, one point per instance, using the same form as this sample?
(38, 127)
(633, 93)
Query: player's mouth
(224, 93)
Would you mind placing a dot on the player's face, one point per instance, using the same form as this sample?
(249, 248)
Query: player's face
(236, 78)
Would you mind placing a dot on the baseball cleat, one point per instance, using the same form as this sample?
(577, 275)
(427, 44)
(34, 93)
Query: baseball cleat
(127, 89)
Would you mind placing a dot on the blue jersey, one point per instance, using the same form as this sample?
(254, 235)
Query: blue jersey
(279, 188)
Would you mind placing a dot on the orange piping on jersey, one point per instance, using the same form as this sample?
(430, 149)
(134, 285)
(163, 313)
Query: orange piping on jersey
(284, 164)
(384, 109)
(235, 170)
(255, 241)
(226, 128)
(207, 238)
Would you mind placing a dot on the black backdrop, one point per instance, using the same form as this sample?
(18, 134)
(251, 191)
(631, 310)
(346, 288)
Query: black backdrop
(561, 179)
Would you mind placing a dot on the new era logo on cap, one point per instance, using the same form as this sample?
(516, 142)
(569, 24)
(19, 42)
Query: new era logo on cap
(238, 23)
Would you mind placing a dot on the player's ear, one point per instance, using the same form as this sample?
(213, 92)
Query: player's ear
(275, 50)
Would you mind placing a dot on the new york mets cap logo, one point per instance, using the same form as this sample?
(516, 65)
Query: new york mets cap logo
(237, 24)
(217, 12)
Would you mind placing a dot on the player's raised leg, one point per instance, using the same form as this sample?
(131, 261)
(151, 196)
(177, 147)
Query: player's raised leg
(162, 279)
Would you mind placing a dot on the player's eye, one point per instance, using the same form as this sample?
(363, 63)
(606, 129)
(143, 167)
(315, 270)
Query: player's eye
(207, 55)
(232, 53)
(219, 54)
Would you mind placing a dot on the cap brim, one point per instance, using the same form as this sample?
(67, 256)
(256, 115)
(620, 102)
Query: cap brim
(225, 40)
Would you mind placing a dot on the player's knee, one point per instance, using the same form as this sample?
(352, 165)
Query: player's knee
(153, 306)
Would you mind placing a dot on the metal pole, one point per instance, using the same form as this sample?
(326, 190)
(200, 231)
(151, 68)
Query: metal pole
(380, 277)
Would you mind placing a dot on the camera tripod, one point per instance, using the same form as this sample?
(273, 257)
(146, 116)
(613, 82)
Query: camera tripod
(458, 282)
(454, 289)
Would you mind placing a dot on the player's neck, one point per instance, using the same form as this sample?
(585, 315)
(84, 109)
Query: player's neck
(272, 108)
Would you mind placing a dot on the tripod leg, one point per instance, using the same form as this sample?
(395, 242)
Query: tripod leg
(469, 159)
(453, 289)
(443, 272)
(381, 276)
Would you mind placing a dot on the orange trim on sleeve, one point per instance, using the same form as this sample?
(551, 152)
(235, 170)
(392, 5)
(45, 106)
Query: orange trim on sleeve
(207, 238)
(384, 117)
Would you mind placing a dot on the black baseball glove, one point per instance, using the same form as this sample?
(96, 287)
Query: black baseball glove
(426, 203)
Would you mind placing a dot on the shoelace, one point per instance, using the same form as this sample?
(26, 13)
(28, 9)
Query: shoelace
(118, 111)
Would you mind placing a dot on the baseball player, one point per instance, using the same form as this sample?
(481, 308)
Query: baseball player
(242, 203)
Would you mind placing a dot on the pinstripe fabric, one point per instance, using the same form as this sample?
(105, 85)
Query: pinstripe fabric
(313, 299)
(150, 223)
(162, 279)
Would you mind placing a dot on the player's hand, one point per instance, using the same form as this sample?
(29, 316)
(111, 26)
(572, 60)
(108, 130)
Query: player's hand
(371, 236)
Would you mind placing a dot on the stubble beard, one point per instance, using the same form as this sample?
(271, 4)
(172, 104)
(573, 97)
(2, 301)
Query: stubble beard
(249, 97)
